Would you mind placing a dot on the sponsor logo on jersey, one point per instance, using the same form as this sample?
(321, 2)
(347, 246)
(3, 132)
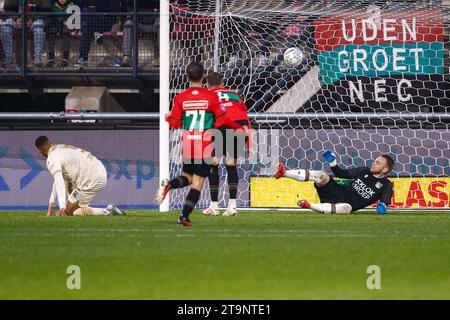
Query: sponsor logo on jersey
(194, 137)
(225, 105)
(195, 92)
(362, 189)
(196, 104)
(378, 185)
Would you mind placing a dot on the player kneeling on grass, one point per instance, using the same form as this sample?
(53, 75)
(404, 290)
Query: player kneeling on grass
(52, 200)
(86, 171)
(368, 185)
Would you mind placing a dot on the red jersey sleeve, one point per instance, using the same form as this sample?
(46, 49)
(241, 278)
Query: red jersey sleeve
(175, 118)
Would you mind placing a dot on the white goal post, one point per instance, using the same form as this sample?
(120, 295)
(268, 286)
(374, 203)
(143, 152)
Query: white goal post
(164, 95)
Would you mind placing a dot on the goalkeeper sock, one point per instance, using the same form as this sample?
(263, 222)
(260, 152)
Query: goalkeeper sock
(327, 208)
(214, 185)
(233, 181)
(304, 175)
(178, 182)
(191, 201)
(89, 211)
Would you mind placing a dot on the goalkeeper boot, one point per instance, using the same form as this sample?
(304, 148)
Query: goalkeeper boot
(281, 171)
(162, 191)
(211, 211)
(113, 210)
(303, 204)
(184, 222)
(230, 212)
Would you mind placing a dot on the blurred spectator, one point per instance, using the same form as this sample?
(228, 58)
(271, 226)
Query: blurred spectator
(146, 24)
(92, 27)
(37, 27)
(57, 26)
(2, 10)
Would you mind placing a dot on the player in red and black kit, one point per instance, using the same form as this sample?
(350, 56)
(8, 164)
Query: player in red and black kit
(233, 147)
(197, 111)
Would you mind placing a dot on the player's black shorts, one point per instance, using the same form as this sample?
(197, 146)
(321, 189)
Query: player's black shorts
(234, 144)
(332, 192)
(193, 167)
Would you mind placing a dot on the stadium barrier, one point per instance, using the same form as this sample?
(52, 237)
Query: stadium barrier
(420, 178)
(51, 43)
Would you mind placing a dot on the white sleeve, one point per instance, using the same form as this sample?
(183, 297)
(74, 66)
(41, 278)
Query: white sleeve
(53, 194)
(54, 164)
(60, 187)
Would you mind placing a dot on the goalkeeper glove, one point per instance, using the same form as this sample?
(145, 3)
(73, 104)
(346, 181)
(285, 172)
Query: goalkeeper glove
(329, 156)
(381, 208)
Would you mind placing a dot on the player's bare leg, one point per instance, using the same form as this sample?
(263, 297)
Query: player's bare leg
(326, 208)
(73, 209)
(233, 180)
(191, 200)
(166, 185)
(213, 209)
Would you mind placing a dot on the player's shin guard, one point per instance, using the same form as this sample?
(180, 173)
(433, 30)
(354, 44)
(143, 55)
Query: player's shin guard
(214, 185)
(305, 175)
(89, 211)
(233, 180)
(191, 201)
(179, 182)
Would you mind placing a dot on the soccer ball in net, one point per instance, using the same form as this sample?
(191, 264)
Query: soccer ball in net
(293, 56)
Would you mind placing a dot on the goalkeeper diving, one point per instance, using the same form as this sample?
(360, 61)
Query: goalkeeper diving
(368, 185)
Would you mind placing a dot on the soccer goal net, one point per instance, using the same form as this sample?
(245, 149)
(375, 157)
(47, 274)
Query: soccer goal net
(366, 77)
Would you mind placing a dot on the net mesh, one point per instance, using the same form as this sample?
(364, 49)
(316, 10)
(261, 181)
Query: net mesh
(385, 61)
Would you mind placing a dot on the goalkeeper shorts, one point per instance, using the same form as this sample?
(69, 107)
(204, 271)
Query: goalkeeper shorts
(332, 192)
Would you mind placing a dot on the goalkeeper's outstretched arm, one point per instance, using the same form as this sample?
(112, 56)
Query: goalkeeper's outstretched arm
(387, 194)
(351, 173)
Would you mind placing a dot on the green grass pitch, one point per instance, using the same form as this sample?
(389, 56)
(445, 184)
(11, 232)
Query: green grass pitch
(256, 255)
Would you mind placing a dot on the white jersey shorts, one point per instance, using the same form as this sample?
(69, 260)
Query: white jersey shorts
(84, 196)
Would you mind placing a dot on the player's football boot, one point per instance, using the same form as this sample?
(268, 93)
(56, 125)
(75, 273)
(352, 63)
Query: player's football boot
(162, 191)
(303, 204)
(211, 211)
(184, 222)
(113, 210)
(281, 171)
(230, 212)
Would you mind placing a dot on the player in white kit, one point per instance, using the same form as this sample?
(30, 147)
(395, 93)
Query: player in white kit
(79, 166)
